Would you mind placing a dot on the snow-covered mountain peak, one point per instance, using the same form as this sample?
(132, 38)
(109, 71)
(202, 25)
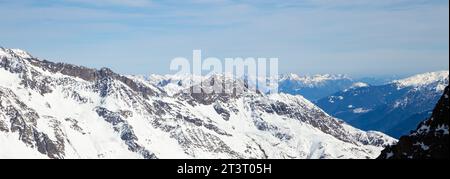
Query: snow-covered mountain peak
(176, 83)
(290, 76)
(424, 79)
(21, 53)
(14, 53)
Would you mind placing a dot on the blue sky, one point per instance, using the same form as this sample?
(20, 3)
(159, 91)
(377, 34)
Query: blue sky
(356, 37)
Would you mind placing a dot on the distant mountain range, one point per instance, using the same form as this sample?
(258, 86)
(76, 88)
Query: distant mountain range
(387, 104)
(58, 110)
(311, 87)
(314, 87)
(394, 108)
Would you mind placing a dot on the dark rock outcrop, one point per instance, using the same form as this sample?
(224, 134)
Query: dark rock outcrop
(222, 111)
(125, 130)
(23, 120)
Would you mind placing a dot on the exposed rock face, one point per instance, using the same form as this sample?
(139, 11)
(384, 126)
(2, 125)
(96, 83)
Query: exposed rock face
(23, 120)
(429, 141)
(126, 131)
(222, 111)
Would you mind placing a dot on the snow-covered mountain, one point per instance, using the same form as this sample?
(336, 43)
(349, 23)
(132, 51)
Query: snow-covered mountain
(56, 110)
(172, 84)
(394, 108)
(314, 87)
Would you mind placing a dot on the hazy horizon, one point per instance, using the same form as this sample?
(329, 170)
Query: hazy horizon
(361, 38)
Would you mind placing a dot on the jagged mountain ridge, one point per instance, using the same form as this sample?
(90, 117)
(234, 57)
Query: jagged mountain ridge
(429, 141)
(395, 108)
(311, 87)
(56, 110)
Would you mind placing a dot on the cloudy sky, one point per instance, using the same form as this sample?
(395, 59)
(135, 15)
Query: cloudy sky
(356, 37)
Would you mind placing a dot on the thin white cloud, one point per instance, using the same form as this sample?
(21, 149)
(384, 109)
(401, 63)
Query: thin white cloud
(209, 1)
(128, 3)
